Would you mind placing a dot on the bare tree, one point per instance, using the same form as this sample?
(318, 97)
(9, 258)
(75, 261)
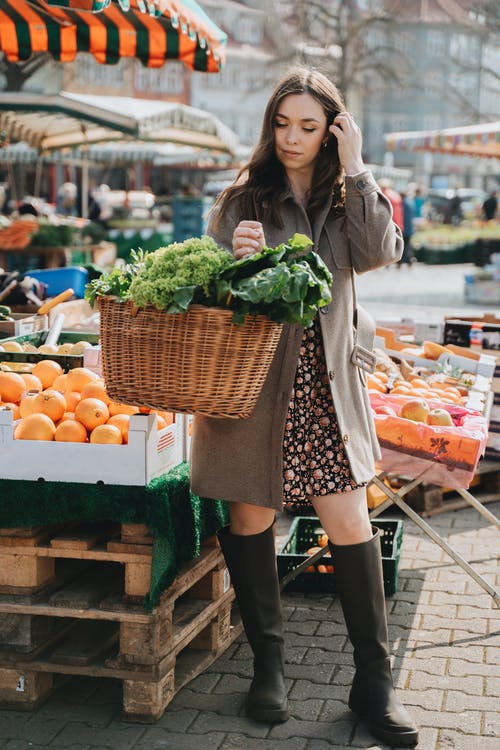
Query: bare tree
(15, 74)
(348, 40)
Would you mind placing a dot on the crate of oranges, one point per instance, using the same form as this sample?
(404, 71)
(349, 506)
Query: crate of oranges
(62, 426)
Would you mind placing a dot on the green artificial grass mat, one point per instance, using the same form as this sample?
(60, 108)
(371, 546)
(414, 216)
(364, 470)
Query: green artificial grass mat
(178, 519)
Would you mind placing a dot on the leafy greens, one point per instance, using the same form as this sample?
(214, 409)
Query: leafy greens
(285, 283)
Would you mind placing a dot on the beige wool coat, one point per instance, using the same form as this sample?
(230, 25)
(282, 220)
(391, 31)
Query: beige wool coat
(241, 459)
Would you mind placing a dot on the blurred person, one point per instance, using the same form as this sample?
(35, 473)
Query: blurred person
(490, 206)
(66, 202)
(418, 203)
(408, 231)
(453, 213)
(310, 437)
(395, 200)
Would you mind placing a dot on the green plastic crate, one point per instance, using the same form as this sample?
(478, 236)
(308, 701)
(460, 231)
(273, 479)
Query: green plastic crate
(67, 361)
(305, 532)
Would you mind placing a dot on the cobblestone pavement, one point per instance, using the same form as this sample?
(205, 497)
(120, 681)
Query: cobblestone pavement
(445, 637)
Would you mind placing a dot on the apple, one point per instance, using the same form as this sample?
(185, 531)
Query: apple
(415, 409)
(385, 409)
(439, 417)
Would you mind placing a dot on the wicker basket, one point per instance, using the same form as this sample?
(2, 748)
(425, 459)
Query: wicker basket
(197, 362)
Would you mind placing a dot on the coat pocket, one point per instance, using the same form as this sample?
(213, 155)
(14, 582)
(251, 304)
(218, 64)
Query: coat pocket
(339, 247)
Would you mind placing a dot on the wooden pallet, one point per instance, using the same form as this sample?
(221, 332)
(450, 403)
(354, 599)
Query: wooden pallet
(430, 500)
(93, 622)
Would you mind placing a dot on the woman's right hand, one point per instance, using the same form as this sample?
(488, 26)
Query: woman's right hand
(248, 239)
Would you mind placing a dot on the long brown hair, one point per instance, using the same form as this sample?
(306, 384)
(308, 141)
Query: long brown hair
(262, 181)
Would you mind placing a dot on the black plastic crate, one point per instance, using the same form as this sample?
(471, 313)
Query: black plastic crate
(305, 533)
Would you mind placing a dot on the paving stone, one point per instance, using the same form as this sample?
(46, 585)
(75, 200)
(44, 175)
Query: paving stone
(492, 724)
(336, 710)
(209, 721)
(307, 710)
(25, 745)
(363, 739)
(423, 680)
(456, 700)
(321, 673)
(429, 699)
(449, 740)
(241, 742)
(230, 705)
(339, 731)
(465, 721)
(461, 668)
(13, 727)
(492, 686)
(160, 739)
(120, 735)
(303, 690)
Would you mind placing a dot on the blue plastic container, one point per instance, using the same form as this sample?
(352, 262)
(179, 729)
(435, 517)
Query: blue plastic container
(60, 279)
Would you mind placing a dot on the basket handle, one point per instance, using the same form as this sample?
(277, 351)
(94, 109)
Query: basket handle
(134, 310)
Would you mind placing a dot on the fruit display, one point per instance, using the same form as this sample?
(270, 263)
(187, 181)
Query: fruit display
(48, 404)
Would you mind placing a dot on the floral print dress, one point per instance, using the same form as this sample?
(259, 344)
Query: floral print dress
(314, 459)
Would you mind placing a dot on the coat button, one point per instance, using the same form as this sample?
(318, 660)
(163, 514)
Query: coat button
(345, 438)
(360, 184)
(331, 374)
(325, 310)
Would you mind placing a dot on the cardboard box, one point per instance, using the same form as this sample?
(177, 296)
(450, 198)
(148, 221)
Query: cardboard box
(412, 330)
(150, 452)
(457, 330)
(22, 325)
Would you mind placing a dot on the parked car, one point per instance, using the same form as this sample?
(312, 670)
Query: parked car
(450, 206)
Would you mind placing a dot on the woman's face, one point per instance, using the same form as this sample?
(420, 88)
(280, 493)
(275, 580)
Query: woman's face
(299, 130)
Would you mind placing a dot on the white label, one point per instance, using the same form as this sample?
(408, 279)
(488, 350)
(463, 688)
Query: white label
(20, 687)
(227, 581)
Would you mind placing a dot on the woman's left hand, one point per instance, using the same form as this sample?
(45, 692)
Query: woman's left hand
(350, 142)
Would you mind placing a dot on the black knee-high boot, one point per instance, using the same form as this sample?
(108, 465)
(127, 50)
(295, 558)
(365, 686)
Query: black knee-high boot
(358, 570)
(251, 561)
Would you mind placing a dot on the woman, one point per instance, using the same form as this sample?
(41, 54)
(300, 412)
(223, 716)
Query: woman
(310, 437)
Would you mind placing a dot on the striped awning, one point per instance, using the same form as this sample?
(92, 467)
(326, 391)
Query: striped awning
(179, 31)
(470, 140)
(67, 120)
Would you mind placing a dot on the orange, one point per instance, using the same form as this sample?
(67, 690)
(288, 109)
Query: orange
(375, 384)
(161, 422)
(91, 412)
(35, 427)
(13, 407)
(122, 421)
(27, 403)
(12, 386)
(381, 375)
(96, 389)
(72, 398)
(32, 382)
(50, 402)
(60, 383)
(106, 433)
(419, 383)
(65, 416)
(78, 377)
(117, 408)
(168, 416)
(47, 371)
(70, 431)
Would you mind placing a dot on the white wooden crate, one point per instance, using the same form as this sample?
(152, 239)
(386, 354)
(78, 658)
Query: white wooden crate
(149, 453)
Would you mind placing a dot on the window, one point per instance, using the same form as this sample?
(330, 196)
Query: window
(166, 80)
(247, 31)
(436, 43)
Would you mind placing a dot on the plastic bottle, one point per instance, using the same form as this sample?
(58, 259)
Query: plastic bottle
(476, 336)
